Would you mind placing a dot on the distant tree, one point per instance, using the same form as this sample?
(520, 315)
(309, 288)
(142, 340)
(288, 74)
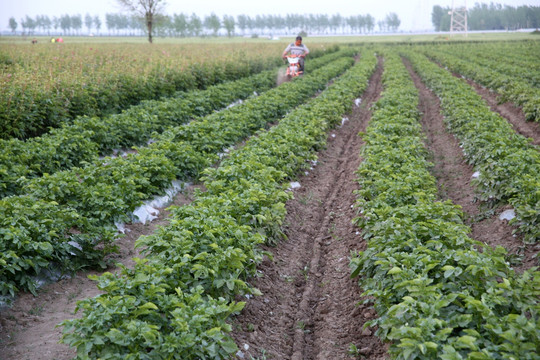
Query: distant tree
(335, 22)
(370, 23)
(122, 22)
(353, 23)
(39, 22)
(46, 23)
(212, 22)
(13, 24)
(28, 23)
(76, 23)
(110, 22)
(242, 21)
(382, 25)
(164, 26)
(65, 23)
(258, 23)
(135, 23)
(392, 21)
(181, 25)
(56, 23)
(97, 23)
(437, 15)
(229, 24)
(149, 10)
(88, 22)
(195, 25)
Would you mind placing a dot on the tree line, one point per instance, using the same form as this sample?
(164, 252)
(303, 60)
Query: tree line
(183, 25)
(490, 17)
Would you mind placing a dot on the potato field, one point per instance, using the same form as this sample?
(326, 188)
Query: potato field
(181, 201)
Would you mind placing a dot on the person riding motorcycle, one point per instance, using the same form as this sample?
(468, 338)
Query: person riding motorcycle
(298, 49)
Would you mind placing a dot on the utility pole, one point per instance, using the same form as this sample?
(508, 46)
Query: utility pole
(458, 19)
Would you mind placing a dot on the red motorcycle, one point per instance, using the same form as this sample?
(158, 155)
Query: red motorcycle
(293, 70)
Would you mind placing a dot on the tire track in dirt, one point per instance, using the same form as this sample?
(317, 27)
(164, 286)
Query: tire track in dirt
(454, 176)
(309, 309)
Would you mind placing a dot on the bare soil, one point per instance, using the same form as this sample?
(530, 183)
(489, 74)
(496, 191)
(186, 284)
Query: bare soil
(28, 329)
(310, 306)
(454, 179)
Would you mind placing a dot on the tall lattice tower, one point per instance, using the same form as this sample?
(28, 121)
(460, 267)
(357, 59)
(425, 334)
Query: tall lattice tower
(458, 19)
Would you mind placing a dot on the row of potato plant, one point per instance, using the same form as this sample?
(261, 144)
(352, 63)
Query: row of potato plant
(508, 164)
(46, 85)
(174, 304)
(89, 137)
(106, 191)
(438, 293)
(495, 56)
(519, 54)
(510, 87)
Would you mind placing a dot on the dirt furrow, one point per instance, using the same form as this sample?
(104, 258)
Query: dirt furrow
(454, 180)
(510, 112)
(309, 309)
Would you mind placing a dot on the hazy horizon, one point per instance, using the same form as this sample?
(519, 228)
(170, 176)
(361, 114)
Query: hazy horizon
(414, 15)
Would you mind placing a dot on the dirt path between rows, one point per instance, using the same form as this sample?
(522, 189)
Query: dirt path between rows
(510, 112)
(309, 307)
(27, 329)
(454, 180)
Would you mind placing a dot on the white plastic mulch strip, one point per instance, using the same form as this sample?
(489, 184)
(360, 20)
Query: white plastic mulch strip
(150, 208)
(237, 102)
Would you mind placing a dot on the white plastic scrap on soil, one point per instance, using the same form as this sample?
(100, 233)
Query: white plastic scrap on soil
(149, 210)
(294, 185)
(357, 102)
(344, 120)
(507, 214)
(240, 354)
(476, 175)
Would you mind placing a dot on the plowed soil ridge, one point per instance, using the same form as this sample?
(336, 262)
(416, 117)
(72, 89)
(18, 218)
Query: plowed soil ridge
(454, 176)
(309, 307)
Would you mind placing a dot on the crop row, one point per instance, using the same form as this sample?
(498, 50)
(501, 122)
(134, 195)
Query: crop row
(438, 293)
(507, 163)
(88, 137)
(33, 100)
(518, 54)
(64, 216)
(499, 58)
(174, 304)
(518, 91)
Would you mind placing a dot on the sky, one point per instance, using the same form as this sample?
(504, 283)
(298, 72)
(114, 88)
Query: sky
(415, 15)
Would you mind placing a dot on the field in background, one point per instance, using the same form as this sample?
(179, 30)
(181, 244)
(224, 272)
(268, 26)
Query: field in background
(476, 36)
